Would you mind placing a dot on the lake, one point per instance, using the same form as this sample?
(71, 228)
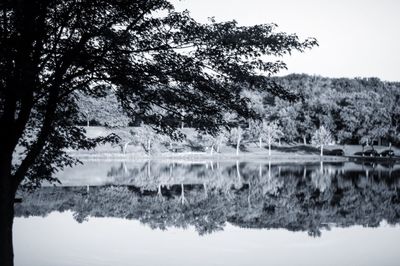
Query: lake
(212, 213)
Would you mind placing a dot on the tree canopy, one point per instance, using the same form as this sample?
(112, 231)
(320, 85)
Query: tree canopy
(357, 110)
(149, 55)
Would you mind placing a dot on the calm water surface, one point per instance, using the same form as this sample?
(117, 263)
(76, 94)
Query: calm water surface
(213, 213)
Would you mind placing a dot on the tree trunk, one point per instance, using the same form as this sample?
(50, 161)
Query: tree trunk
(159, 191)
(125, 147)
(7, 196)
(148, 169)
(6, 223)
(148, 146)
(260, 142)
(212, 149)
(269, 147)
(238, 145)
(304, 140)
(322, 150)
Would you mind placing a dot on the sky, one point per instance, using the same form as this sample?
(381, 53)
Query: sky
(357, 38)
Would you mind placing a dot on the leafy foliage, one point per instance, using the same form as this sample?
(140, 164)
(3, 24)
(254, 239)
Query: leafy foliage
(354, 110)
(105, 110)
(321, 137)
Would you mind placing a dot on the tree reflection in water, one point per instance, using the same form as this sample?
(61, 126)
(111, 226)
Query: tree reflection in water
(297, 197)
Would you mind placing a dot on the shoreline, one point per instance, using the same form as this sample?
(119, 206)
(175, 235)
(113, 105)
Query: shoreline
(188, 156)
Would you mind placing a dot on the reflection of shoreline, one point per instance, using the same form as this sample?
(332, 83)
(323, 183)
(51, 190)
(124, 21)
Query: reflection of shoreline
(153, 173)
(193, 156)
(297, 197)
(285, 199)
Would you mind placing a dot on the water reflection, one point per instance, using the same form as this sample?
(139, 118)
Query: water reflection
(208, 195)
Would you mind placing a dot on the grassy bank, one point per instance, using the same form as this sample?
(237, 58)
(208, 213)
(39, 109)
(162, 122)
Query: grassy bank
(192, 149)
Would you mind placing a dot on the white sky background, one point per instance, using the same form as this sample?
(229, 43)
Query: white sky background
(357, 38)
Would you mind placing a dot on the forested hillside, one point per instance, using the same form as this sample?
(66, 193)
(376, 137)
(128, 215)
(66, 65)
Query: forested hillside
(354, 111)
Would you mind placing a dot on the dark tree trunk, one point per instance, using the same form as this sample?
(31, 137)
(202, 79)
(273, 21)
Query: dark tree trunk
(7, 196)
(6, 223)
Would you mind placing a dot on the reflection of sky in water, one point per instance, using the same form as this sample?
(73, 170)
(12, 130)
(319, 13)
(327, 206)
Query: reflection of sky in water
(59, 240)
(302, 214)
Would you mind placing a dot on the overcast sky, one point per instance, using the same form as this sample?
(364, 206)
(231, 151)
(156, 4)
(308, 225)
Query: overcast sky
(357, 38)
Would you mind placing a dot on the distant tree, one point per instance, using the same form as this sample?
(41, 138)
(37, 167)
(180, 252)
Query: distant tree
(105, 110)
(220, 138)
(322, 137)
(270, 132)
(394, 111)
(87, 107)
(364, 117)
(286, 119)
(304, 123)
(236, 135)
(144, 52)
(254, 132)
(125, 138)
(145, 136)
(256, 100)
(214, 142)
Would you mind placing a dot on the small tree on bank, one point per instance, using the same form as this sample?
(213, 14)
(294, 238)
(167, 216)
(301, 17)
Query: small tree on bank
(214, 142)
(321, 137)
(145, 136)
(270, 132)
(254, 132)
(236, 136)
(125, 138)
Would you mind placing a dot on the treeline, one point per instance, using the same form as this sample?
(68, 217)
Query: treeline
(353, 111)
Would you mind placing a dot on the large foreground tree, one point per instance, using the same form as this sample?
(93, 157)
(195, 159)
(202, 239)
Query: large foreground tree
(150, 56)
